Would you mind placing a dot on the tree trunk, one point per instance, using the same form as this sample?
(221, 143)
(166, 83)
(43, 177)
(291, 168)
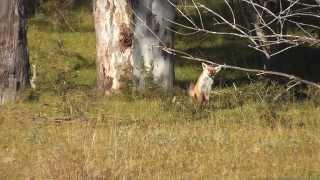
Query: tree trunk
(114, 44)
(14, 62)
(126, 51)
(152, 29)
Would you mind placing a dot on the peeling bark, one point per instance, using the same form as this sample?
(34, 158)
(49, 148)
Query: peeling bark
(126, 51)
(14, 64)
(114, 44)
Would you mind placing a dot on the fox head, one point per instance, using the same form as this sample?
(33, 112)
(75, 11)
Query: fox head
(210, 70)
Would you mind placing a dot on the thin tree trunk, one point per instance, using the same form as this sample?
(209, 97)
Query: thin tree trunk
(14, 62)
(152, 29)
(114, 44)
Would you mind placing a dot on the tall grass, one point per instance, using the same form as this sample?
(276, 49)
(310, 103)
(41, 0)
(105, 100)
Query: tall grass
(64, 130)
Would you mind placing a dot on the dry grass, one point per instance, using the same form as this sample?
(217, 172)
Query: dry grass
(64, 130)
(148, 138)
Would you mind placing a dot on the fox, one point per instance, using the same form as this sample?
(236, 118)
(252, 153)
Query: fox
(201, 90)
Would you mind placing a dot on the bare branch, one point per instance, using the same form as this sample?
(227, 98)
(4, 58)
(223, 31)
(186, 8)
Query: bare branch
(188, 56)
(268, 29)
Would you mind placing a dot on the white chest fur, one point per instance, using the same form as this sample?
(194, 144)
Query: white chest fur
(205, 83)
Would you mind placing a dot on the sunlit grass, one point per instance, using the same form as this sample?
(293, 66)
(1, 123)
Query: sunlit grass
(64, 130)
(88, 137)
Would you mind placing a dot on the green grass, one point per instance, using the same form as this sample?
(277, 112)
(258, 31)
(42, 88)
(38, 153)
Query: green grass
(64, 130)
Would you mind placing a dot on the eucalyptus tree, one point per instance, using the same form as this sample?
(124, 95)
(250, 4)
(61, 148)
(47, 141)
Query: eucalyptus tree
(129, 35)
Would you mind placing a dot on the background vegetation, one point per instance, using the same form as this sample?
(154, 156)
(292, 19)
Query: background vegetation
(64, 130)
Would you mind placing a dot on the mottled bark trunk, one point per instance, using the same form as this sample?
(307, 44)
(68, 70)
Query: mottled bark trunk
(14, 64)
(113, 20)
(129, 34)
(152, 29)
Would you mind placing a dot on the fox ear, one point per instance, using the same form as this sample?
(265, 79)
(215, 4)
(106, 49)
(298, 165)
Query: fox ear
(204, 66)
(218, 68)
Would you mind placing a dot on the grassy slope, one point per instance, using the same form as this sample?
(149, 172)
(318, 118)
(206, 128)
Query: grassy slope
(64, 130)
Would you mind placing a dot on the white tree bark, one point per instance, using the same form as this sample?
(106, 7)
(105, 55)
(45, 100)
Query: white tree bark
(152, 29)
(129, 34)
(114, 44)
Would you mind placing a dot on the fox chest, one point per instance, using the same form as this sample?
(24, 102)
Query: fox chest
(206, 85)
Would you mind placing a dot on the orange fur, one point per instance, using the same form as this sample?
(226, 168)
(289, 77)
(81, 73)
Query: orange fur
(201, 90)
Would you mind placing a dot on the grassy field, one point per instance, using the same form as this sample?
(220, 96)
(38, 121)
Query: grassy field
(64, 130)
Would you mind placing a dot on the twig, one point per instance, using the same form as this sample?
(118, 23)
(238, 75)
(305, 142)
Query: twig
(290, 87)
